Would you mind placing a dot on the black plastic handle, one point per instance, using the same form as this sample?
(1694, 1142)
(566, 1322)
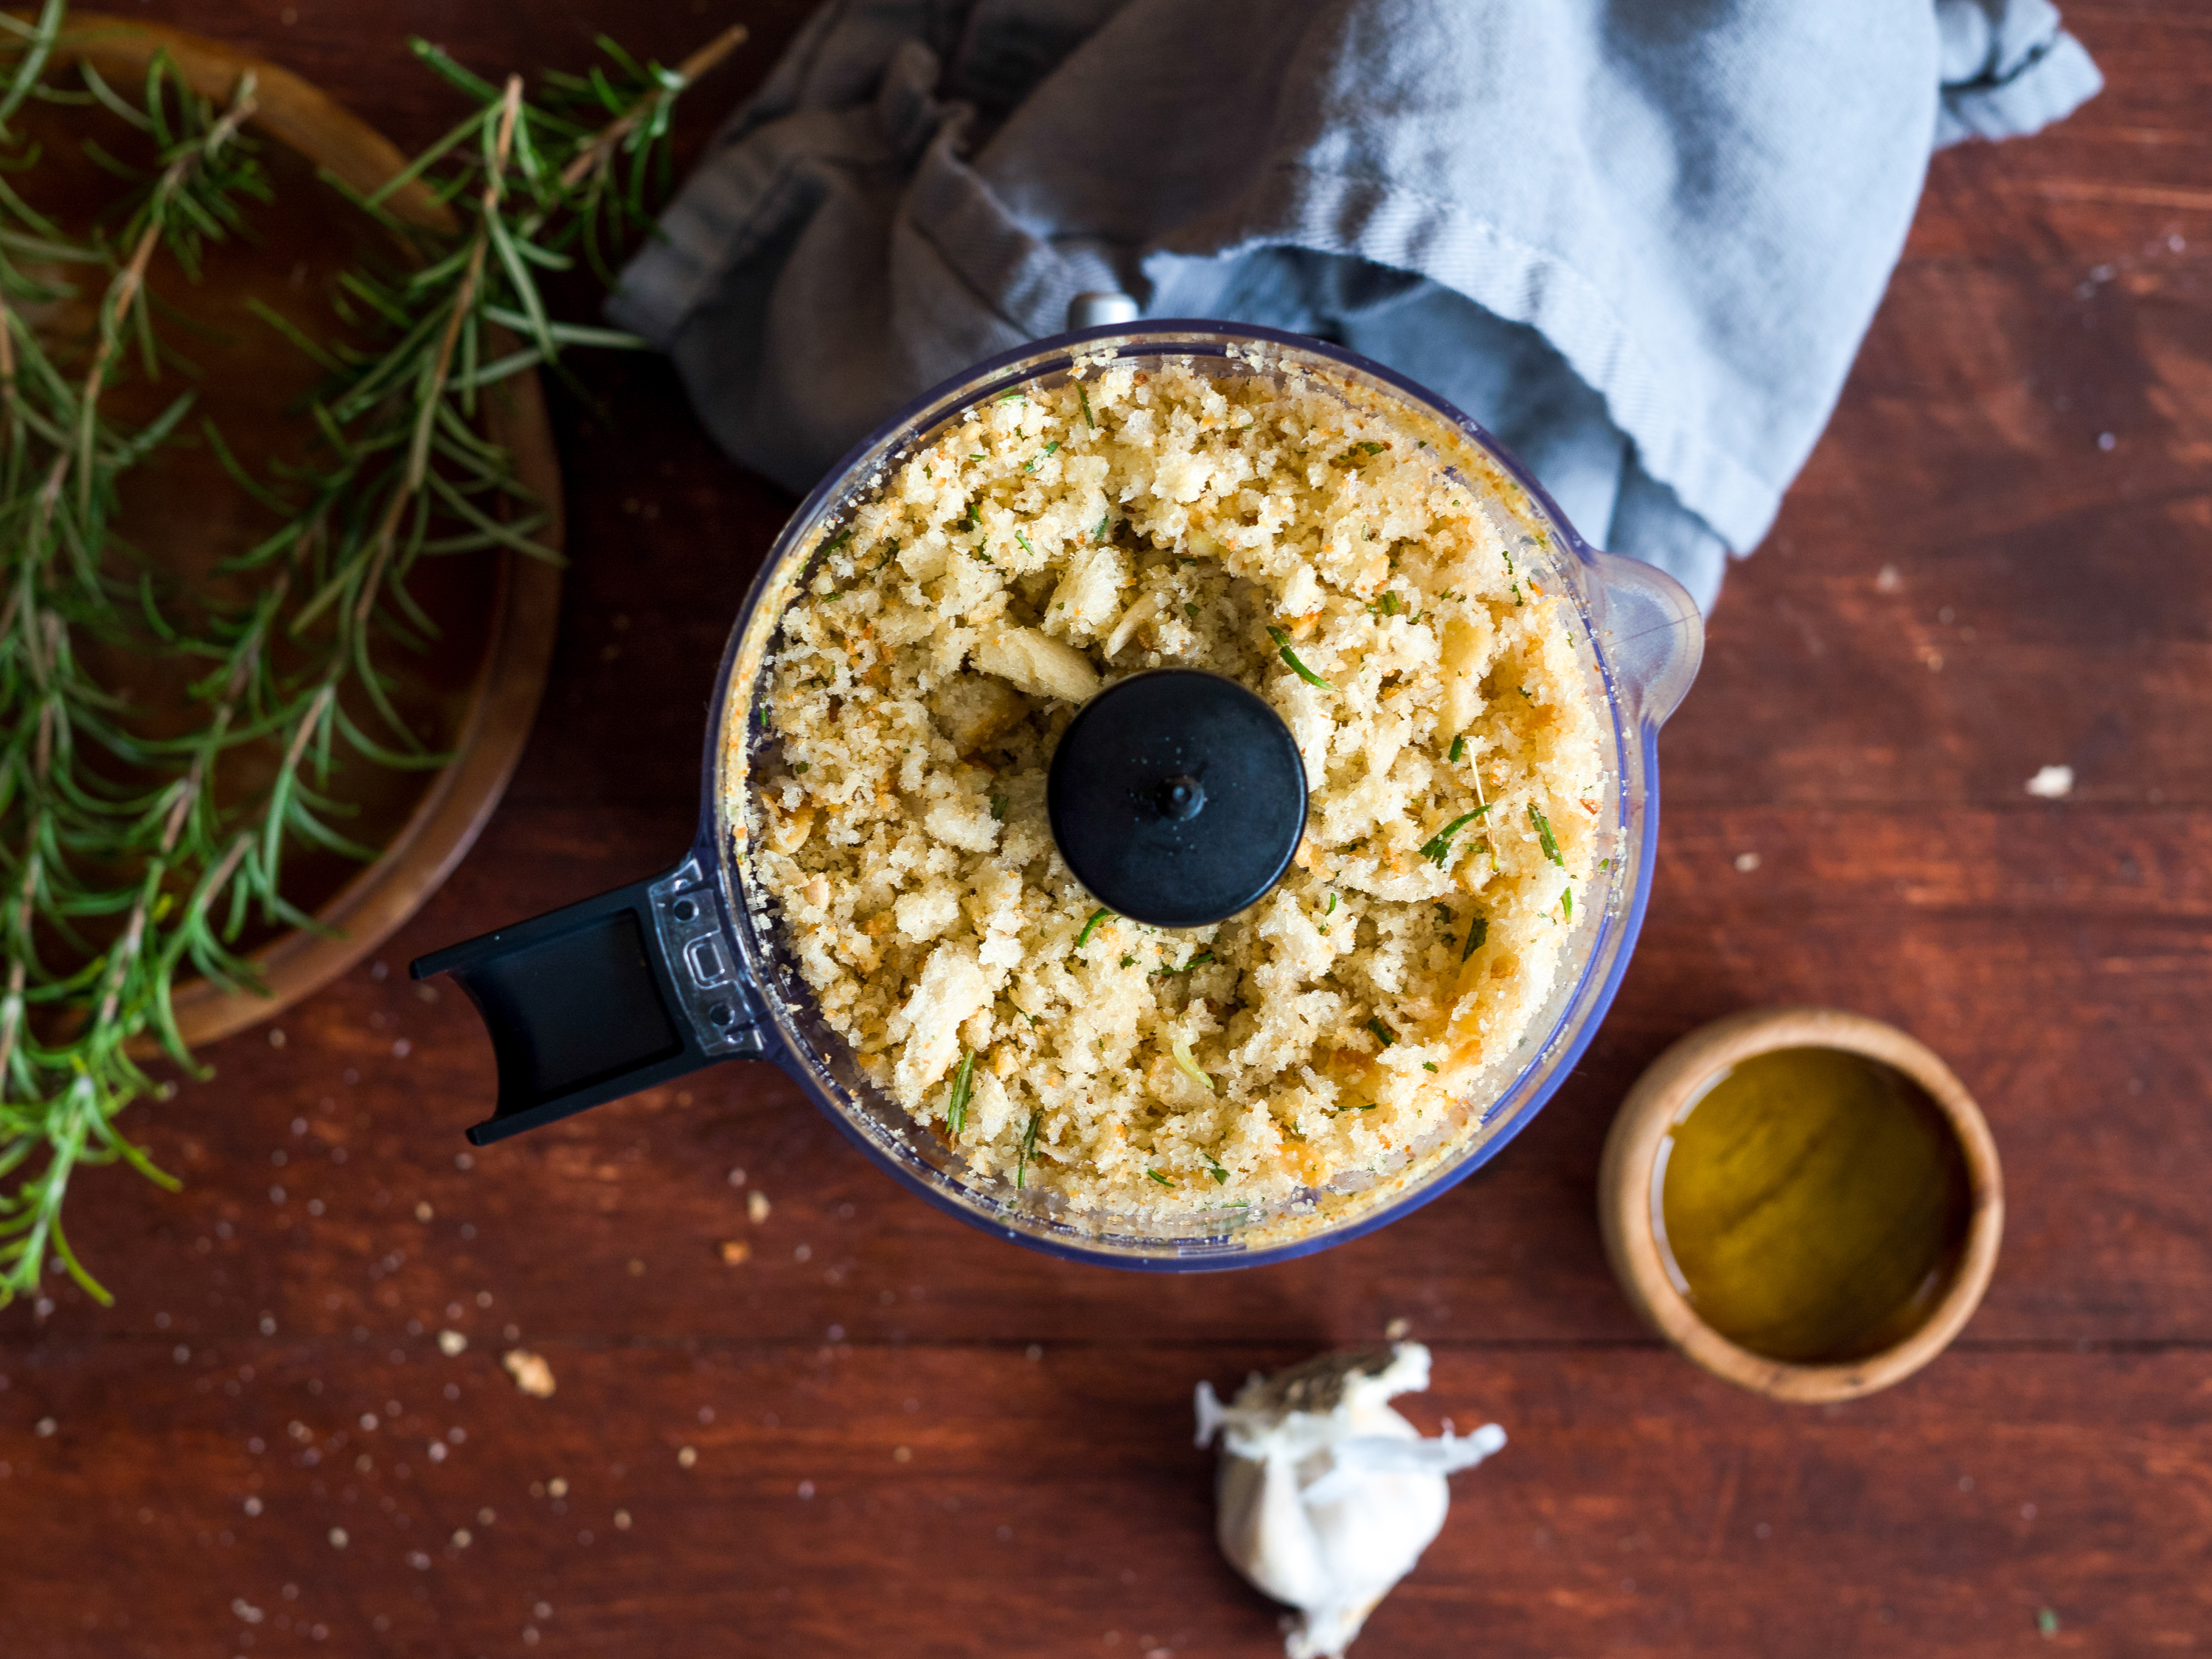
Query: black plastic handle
(602, 999)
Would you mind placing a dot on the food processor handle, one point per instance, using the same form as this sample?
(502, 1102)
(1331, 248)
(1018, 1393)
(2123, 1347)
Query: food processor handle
(602, 999)
(1654, 633)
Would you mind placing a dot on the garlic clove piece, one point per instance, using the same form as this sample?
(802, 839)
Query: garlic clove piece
(1326, 1497)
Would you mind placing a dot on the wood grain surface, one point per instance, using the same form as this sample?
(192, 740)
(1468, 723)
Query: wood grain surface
(883, 1433)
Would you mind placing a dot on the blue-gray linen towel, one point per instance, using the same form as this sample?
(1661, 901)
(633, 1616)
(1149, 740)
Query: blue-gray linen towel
(1640, 240)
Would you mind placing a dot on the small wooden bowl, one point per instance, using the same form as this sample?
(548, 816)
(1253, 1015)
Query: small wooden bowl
(1625, 1197)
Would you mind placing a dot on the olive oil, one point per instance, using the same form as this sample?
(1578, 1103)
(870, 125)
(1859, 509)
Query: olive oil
(1811, 1204)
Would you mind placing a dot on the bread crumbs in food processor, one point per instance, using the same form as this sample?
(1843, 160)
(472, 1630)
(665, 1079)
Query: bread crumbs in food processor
(1041, 546)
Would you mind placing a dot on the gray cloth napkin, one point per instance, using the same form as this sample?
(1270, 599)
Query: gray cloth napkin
(1638, 239)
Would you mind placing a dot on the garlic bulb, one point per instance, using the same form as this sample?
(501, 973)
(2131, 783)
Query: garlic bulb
(1326, 1497)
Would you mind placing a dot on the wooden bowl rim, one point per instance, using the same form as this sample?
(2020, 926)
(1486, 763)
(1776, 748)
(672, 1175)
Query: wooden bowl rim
(519, 644)
(1625, 1197)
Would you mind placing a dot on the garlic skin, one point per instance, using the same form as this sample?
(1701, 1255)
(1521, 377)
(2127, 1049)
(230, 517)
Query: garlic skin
(1327, 1497)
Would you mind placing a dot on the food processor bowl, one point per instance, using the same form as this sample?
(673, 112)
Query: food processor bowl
(658, 979)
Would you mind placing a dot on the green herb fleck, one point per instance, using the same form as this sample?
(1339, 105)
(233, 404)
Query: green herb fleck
(1085, 398)
(1517, 599)
(1015, 397)
(1458, 747)
(1282, 639)
(1478, 931)
(1383, 1033)
(838, 540)
(975, 520)
(998, 809)
(1098, 536)
(1097, 916)
(1372, 449)
(1029, 1148)
(1029, 466)
(1526, 692)
(1605, 864)
(1190, 611)
(1157, 1176)
(1024, 541)
(1198, 961)
(978, 456)
(1220, 1175)
(1129, 961)
(1437, 848)
(801, 766)
(1332, 906)
(1567, 903)
(1543, 837)
(963, 1085)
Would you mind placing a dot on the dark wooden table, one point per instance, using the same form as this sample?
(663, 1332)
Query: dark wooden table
(886, 1434)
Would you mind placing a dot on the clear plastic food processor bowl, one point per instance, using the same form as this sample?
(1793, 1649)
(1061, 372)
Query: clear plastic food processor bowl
(655, 980)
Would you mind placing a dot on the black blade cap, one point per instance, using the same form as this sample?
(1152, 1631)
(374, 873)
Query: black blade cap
(1177, 796)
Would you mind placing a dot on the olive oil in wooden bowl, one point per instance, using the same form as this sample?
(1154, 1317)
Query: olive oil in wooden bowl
(1805, 1202)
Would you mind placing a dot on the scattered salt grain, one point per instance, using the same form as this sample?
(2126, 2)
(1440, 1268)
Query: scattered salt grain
(757, 1207)
(1745, 863)
(451, 1343)
(531, 1373)
(2051, 783)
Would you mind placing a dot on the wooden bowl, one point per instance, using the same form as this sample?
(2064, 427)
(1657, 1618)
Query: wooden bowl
(474, 694)
(1625, 1198)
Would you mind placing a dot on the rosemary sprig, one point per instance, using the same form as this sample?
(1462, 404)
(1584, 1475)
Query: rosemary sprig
(1282, 638)
(1029, 1149)
(1545, 839)
(964, 1089)
(1478, 935)
(109, 889)
(1437, 848)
